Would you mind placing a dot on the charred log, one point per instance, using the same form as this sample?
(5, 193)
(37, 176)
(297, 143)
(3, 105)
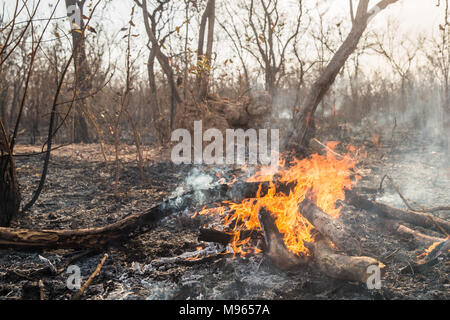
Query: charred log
(341, 266)
(122, 229)
(275, 249)
(224, 238)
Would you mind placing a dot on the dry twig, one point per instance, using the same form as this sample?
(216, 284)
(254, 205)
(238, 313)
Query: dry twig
(83, 288)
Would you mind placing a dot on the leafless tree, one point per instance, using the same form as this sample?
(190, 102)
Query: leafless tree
(268, 32)
(82, 70)
(303, 122)
(439, 57)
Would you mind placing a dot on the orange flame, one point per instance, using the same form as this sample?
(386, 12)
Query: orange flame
(430, 249)
(325, 175)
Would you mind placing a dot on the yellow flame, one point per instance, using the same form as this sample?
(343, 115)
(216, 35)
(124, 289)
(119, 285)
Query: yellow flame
(325, 175)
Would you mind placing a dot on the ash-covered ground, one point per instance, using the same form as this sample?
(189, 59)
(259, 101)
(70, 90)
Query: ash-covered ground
(79, 194)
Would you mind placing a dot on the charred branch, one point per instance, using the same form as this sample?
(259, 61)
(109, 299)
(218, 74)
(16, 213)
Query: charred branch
(420, 238)
(415, 218)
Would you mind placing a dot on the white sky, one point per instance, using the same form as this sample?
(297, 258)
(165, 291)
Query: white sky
(415, 16)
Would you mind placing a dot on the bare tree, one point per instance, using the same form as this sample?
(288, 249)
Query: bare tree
(272, 40)
(400, 54)
(157, 53)
(439, 57)
(303, 122)
(204, 57)
(82, 69)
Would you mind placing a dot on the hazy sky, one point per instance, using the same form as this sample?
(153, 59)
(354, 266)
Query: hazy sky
(414, 16)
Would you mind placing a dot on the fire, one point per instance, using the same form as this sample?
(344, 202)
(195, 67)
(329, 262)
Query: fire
(326, 176)
(430, 249)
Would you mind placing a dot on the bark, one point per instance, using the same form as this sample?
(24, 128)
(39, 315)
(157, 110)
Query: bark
(415, 218)
(9, 187)
(303, 122)
(329, 227)
(82, 76)
(341, 266)
(208, 16)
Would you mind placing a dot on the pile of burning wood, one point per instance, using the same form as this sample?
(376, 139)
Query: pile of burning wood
(290, 214)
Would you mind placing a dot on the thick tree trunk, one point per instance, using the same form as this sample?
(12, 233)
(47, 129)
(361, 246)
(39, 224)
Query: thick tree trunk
(9, 187)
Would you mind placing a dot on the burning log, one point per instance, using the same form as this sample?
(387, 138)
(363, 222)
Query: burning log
(224, 238)
(275, 248)
(335, 265)
(331, 228)
(415, 218)
(341, 266)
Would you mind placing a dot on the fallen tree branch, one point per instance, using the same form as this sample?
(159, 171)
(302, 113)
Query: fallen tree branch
(415, 218)
(420, 238)
(224, 238)
(121, 230)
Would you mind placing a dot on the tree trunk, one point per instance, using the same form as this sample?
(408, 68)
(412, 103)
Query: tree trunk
(446, 119)
(82, 70)
(164, 63)
(203, 79)
(9, 187)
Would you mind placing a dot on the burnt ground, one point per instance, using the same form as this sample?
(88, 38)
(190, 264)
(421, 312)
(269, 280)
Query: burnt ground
(79, 194)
